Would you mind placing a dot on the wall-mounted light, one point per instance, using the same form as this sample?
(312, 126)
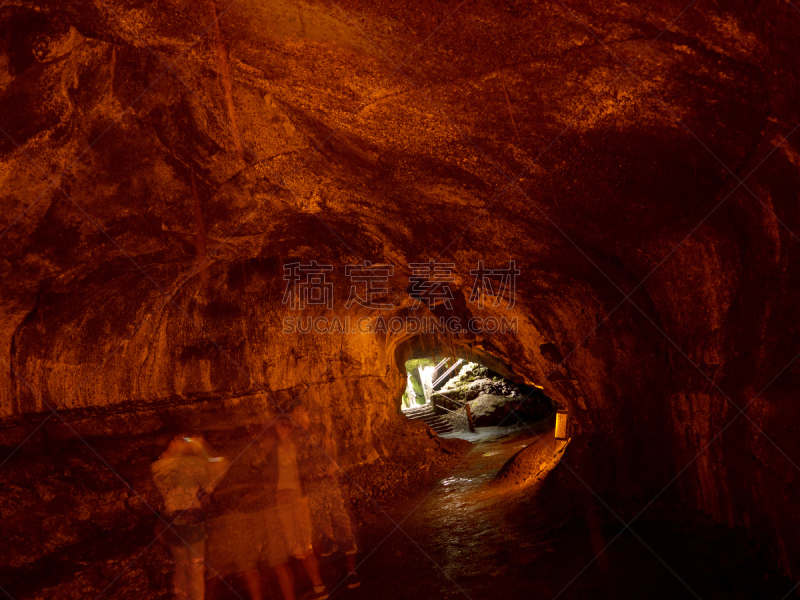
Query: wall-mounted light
(562, 429)
(531, 384)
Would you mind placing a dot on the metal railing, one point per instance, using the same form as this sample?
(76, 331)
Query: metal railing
(465, 406)
(446, 373)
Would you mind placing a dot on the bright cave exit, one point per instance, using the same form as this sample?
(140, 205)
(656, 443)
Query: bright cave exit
(455, 397)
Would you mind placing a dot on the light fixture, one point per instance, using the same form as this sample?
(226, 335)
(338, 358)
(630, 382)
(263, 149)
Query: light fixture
(562, 417)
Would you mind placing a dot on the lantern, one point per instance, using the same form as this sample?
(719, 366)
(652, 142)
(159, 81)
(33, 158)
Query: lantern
(562, 417)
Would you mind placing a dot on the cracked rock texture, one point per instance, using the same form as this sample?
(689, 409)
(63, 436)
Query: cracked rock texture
(162, 162)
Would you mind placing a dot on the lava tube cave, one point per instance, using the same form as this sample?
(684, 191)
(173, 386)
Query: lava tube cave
(399, 299)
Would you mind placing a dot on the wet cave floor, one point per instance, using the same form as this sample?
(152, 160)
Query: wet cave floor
(468, 538)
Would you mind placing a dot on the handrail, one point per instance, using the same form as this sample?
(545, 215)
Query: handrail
(454, 412)
(467, 416)
(453, 400)
(444, 360)
(446, 373)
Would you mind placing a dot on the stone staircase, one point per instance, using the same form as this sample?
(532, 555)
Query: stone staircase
(438, 423)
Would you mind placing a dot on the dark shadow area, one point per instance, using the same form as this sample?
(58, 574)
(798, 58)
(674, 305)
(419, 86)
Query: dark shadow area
(549, 537)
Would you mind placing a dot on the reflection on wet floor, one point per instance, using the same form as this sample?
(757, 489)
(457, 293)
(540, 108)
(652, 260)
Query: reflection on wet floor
(473, 537)
(452, 480)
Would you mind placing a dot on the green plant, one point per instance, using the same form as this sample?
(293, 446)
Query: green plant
(416, 384)
(415, 363)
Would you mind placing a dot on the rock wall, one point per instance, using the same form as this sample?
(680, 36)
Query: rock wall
(161, 167)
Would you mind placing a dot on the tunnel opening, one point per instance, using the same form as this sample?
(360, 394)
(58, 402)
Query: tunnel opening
(454, 396)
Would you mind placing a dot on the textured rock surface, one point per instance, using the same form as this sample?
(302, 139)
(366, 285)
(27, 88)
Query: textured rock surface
(159, 171)
(488, 410)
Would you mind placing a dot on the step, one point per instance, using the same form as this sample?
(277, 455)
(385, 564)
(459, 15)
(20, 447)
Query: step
(418, 413)
(437, 423)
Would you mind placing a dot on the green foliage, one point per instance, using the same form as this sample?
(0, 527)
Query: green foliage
(412, 367)
(414, 364)
(457, 394)
(468, 373)
(416, 384)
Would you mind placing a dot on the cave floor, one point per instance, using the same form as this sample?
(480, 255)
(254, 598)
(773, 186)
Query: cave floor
(471, 539)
